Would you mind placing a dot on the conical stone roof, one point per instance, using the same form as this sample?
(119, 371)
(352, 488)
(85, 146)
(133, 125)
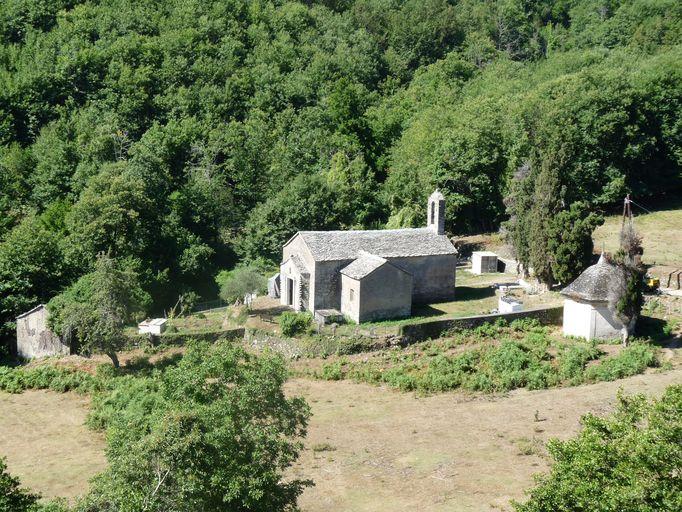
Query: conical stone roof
(593, 284)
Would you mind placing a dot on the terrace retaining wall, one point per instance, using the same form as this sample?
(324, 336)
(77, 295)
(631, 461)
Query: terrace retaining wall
(413, 333)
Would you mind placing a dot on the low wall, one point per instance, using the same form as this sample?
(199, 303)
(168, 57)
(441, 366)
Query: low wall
(181, 338)
(412, 333)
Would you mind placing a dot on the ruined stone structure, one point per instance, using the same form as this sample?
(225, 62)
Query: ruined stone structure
(320, 268)
(586, 311)
(35, 339)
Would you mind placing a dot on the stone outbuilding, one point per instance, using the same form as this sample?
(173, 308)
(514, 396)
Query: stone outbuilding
(311, 276)
(483, 262)
(372, 289)
(34, 337)
(586, 311)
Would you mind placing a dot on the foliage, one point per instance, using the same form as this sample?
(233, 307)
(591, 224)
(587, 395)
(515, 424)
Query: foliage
(95, 309)
(525, 356)
(626, 289)
(213, 431)
(570, 241)
(47, 376)
(184, 135)
(241, 282)
(291, 324)
(12, 497)
(628, 461)
(32, 269)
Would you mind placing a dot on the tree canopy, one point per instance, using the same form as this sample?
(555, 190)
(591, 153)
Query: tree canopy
(629, 461)
(187, 135)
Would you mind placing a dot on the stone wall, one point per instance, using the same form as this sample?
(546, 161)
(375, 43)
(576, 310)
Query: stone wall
(180, 339)
(385, 293)
(412, 333)
(433, 277)
(35, 339)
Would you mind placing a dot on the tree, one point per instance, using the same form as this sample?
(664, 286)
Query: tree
(629, 461)
(218, 437)
(32, 270)
(242, 282)
(626, 289)
(546, 205)
(570, 241)
(94, 310)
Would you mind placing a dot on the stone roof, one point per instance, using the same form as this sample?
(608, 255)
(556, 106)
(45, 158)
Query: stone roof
(385, 243)
(299, 264)
(364, 265)
(31, 311)
(483, 253)
(593, 284)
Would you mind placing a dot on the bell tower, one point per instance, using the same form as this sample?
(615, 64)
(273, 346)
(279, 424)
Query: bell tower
(435, 212)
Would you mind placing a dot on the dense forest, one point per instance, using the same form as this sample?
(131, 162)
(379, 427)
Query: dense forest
(184, 136)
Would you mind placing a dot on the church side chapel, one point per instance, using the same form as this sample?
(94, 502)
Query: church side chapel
(369, 275)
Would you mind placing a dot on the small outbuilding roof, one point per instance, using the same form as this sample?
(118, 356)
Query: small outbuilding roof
(365, 265)
(484, 253)
(31, 311)
(385, 243)
(593, 284)
(155, 321)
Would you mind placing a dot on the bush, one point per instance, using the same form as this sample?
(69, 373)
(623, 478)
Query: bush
(291, 323)
(629, 461)
(16, 380)
(631, 361)
(12, 497)
(574, 358)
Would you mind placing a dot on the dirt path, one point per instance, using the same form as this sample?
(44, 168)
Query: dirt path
(382, 450)
(46, 443)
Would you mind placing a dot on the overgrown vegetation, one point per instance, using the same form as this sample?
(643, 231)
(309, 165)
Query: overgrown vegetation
(629, 461)
(181, 136)
(492, 358)
(92, 313)
(291, 324)
(209, 430)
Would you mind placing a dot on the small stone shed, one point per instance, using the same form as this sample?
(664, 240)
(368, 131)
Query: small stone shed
(483, 262)
(586, 311)
(374, 289)
(35, 339)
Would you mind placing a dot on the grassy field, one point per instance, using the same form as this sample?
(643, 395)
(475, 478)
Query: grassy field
(661, 232)
(382, 452)
(47, 444)
(373, 449)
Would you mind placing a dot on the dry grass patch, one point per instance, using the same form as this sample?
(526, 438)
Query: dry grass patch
(47, 444)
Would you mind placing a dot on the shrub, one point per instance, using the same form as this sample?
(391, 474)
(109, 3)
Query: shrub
(632, 360)
(333, 371)
(573, 359)
(629, 461)
(241, 282)
(291, 323)
(16, 380)
(12, 497)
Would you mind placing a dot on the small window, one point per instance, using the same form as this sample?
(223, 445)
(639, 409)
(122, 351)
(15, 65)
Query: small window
(433, 213)
(352, 295)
